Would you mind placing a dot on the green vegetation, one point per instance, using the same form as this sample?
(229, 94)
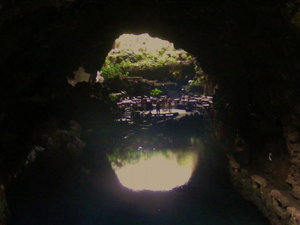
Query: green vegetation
(113, 97)
(198, 81)
(155, 92)
(129, 155)
(121, 156)
(176, 73)
(111, 70)
(124, 62)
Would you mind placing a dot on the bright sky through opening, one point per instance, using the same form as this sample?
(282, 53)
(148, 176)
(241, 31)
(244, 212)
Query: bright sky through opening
(160, 172)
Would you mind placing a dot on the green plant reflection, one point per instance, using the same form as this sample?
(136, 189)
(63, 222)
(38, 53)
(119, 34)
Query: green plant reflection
(154, 170)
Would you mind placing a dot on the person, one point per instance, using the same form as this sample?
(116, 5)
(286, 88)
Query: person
(144, 103)
(149, 105)
(169, 104)
(149, 116)
(188, 107)
(158, 107)
(162, 103)
(135, 107)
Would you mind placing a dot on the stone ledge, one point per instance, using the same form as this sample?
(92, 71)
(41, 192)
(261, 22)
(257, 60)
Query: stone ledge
(280, 207)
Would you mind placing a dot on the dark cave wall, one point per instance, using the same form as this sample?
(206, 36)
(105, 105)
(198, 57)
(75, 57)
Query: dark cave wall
(249, 48)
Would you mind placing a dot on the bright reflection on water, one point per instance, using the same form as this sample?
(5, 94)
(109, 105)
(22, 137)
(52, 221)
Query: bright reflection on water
(154, 170)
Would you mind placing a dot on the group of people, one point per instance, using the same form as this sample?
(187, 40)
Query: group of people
(189, 103)
(146, 103)
(131, 107)
(164, 103)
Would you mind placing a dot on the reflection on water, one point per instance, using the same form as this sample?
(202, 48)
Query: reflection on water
(154, 170)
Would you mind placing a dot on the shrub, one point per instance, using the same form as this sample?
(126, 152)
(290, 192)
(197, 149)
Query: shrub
(113, 70)
(113, 97)
(155, 92)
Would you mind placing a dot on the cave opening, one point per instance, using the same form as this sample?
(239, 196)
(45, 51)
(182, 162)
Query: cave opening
(154, 61)
(139, 71)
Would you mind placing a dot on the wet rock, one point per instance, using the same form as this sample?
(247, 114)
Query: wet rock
(234, 165)
(294, 215)
(293, 146)
(291, 134)
(293, 176)
(283, 200)
(291, 210)
(66, 140)
(278, 206)
(296, 192)
(31, 157)
(75, 145)
(295, 155)
(262, 182)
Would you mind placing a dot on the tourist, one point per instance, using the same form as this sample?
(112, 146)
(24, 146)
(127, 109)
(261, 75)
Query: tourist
(144, 104)
(149, 116)
(149, 105)
(158, 107)
(169, 104)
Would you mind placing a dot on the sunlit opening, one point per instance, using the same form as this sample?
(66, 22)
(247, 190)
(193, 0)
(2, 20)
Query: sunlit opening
(154, 61)
(159, 172)
(142, 42)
